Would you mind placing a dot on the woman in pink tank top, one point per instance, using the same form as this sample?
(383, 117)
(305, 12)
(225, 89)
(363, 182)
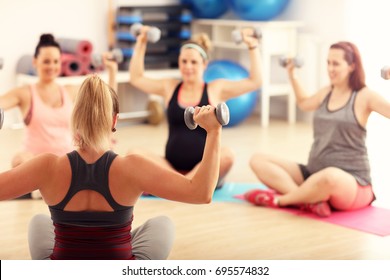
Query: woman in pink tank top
(46, 106)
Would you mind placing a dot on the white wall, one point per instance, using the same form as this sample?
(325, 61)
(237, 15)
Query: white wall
(363, 22)
(23, 21)
(368, 27)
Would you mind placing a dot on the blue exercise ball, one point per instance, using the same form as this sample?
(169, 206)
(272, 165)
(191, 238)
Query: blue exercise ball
(258, 9)
(242, 106)
(207, 8)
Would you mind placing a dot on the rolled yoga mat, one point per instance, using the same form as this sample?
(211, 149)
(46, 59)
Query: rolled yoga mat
(25, 65)
(82, 49)
(86, 64)
(71, 65)
(74, 46)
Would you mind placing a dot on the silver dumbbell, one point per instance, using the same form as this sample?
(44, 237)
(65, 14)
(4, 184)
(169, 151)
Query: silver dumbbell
(385, 72)
(1, 117)
(1, 63)
(221, 112)
(116, 55)
(153, 35)
(237, 35)
(297, 61)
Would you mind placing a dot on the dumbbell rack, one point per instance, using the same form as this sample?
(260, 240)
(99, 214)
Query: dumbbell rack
(173, 21)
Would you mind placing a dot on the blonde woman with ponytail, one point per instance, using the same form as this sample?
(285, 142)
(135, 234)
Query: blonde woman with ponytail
(184, 147)
(91, 191)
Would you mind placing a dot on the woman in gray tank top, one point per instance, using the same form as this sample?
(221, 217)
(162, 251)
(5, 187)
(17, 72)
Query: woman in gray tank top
(331, 179)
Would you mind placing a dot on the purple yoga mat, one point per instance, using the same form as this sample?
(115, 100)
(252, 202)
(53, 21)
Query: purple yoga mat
(371, 219)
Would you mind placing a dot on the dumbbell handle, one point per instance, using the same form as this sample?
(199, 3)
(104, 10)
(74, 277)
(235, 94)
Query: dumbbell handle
(221, 112)
(1, 63)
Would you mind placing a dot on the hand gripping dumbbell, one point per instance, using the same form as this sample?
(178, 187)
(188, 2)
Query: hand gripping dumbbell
(1, 117)
(221, 112)
(153, 34)
(237, 35)
(116, 55)
(385, 72)
(297, 61)
(1, 63)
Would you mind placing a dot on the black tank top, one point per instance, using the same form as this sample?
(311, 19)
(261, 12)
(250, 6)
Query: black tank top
(91, 177)
(184, 148)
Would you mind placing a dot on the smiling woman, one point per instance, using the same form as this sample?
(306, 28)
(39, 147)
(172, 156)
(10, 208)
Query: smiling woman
(45, 106)
(337, 175)
(183, 150)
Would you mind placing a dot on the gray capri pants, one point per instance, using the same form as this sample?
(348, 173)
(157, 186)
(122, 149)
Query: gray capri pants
(151, 241)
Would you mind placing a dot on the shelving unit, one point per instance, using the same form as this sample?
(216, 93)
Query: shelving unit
(174, 21)
(278, 38)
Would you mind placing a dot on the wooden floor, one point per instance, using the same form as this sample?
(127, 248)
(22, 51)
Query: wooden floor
(223, 230)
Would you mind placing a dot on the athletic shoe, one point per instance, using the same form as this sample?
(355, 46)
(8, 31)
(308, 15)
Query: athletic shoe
(258, 197)
(321, 209)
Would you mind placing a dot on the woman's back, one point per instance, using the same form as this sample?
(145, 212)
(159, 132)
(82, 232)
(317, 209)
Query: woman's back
(85, 228)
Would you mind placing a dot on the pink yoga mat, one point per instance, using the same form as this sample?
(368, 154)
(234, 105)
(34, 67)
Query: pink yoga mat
(86, 64)
(71, 65)
(372, 219)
